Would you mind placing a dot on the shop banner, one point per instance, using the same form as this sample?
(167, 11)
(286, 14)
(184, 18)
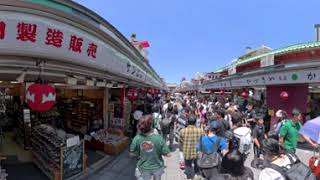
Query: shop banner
(285, 77)
(31, 35)
(218, 85)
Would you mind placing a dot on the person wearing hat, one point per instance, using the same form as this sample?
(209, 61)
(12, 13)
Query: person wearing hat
(208, 142)
(258, 134)
(289, 132)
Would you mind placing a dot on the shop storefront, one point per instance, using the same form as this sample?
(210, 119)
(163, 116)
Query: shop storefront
(63, 78)
(284, 78)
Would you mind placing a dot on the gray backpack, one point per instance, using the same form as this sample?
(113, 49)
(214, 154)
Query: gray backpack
(296, 171)
(209, 160)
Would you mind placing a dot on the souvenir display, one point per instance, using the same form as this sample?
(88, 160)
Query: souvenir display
(111, 141)
(79, 114)
(48, 144)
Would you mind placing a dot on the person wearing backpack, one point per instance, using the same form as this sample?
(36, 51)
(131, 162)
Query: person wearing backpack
(210, 150)
(281, 165)
(240, 136)
(156, 118)
(167, 124)
(189, 138)
(275, 131)
(149, 147)
(258, 135)
(223, 124)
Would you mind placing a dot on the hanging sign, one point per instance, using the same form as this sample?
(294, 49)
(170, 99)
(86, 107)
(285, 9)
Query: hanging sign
(284, 95)
(132, 94)
(41, 97)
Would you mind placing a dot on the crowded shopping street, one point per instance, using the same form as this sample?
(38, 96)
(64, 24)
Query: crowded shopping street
(159, 90)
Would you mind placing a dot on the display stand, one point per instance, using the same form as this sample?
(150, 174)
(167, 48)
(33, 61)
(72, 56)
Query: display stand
(52, 156)
(24, 128)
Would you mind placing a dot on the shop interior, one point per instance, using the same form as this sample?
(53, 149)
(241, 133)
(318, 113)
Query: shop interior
(31, 142)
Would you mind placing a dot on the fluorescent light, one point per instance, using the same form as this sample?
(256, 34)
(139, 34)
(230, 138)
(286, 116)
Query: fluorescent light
(14, 82)
(59, 84)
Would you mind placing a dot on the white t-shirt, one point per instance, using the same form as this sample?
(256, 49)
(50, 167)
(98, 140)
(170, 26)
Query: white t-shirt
(271, 174)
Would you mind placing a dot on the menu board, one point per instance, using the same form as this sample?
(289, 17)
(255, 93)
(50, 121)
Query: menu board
(72, 160)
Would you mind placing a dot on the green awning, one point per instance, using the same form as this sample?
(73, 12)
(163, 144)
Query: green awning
(296, 47)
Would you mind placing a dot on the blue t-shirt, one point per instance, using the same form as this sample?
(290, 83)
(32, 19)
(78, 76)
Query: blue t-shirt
(208, 145)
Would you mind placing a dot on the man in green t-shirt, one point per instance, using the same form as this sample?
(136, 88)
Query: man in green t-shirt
(149, 147)
(289, 132)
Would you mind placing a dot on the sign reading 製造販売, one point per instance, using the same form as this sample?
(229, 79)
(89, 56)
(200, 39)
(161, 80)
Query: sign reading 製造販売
(31, 35)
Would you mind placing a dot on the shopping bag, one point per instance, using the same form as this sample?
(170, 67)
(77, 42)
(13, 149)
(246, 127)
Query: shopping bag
(314, 163)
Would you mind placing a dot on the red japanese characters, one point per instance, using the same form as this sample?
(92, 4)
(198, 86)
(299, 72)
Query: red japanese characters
(75, 44)
(92, 50)
(26, 32)
(41, 97)
(54, 37)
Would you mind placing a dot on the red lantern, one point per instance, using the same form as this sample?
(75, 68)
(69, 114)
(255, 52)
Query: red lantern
(244, 94)
(284, 95)
(132, 94)
(41, 97)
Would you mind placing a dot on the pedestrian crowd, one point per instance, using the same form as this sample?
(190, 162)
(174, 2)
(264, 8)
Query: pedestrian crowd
(215, 137)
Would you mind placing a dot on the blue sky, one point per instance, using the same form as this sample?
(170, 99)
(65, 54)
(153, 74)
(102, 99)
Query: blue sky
(189, 36)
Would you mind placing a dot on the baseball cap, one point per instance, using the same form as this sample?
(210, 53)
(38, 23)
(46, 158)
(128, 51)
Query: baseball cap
(296, 111)
(214, 125)
(259, 116)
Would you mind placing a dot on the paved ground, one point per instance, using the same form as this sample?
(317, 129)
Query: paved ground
(123, 167)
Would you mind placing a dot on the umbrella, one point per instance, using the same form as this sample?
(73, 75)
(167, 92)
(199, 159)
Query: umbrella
(311, 129)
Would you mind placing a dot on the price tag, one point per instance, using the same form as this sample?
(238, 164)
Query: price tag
(73, 141)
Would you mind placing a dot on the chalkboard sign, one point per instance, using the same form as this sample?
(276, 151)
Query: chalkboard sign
(72, 160)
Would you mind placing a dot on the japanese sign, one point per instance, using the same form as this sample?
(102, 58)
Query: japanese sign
(285, 77)
(30, 35)
(218, 85)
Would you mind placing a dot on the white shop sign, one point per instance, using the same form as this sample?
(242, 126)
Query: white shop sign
(31, 35)
(218, 85)
(285, 77)
(232, 69)
(267, 61)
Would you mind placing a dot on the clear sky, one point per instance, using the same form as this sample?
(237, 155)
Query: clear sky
(189, 36)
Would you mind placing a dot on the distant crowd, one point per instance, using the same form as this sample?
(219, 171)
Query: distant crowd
(215, 138)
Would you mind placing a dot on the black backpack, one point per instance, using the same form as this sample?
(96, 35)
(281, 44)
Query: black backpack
(297, 170)
(166, 121)
(209, 160)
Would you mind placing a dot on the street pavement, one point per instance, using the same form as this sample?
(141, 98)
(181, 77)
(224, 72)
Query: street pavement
(123, 167)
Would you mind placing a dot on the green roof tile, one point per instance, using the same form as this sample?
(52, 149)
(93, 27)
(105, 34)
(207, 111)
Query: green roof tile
(281, 50)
